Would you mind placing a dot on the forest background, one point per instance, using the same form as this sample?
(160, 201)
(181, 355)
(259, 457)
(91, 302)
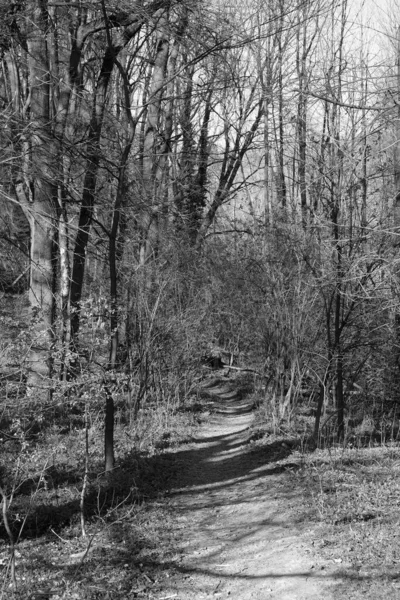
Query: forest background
(182, 181)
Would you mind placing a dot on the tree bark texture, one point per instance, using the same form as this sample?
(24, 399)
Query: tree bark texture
(39, 208)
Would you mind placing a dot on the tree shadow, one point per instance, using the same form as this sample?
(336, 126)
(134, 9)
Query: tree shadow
(52, 502)
(211, 464)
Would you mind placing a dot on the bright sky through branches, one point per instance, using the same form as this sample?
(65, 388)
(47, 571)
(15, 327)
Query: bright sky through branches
(378, 20)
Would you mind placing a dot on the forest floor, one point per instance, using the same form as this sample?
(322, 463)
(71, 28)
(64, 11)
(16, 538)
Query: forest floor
(221, 506)
(239, 529)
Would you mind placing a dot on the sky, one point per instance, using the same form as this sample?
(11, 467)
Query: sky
(378, 18)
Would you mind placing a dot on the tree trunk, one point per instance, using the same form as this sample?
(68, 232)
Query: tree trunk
(114, 333)
(92, 166)
(302, 119)
(89, 189)
(396, 214)
(41, 295)
(39, 208)
(151, 146)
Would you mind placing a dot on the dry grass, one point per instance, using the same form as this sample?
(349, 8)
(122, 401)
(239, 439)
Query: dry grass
(354, 494)
(42, 472)
(349, 497)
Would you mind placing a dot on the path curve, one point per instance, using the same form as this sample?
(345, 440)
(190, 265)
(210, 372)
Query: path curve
(237, 531)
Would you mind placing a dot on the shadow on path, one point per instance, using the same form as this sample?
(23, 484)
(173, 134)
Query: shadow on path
(220, 457)
(235, 512)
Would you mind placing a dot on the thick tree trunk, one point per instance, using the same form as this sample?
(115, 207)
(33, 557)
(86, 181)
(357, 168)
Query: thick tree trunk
(41, 295)
(39, 208)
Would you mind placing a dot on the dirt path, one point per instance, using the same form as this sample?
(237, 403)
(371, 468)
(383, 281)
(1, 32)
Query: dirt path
(238, 536)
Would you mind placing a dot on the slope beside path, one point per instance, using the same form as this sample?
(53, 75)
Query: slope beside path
(237, 532)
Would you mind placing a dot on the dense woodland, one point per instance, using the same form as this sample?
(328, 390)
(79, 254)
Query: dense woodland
(183, 180)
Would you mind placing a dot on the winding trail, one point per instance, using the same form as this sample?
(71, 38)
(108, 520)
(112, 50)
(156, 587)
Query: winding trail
(236, 519)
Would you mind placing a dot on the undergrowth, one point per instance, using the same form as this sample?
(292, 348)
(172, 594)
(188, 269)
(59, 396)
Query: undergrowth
(351, 494)
(350, 491)
(42, 471)
(354, 493)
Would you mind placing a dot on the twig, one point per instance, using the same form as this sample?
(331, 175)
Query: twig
(59, 537)
(83, 556)
(86, 474)
(11, 538)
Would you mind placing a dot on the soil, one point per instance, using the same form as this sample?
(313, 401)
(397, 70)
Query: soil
(238, 528)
